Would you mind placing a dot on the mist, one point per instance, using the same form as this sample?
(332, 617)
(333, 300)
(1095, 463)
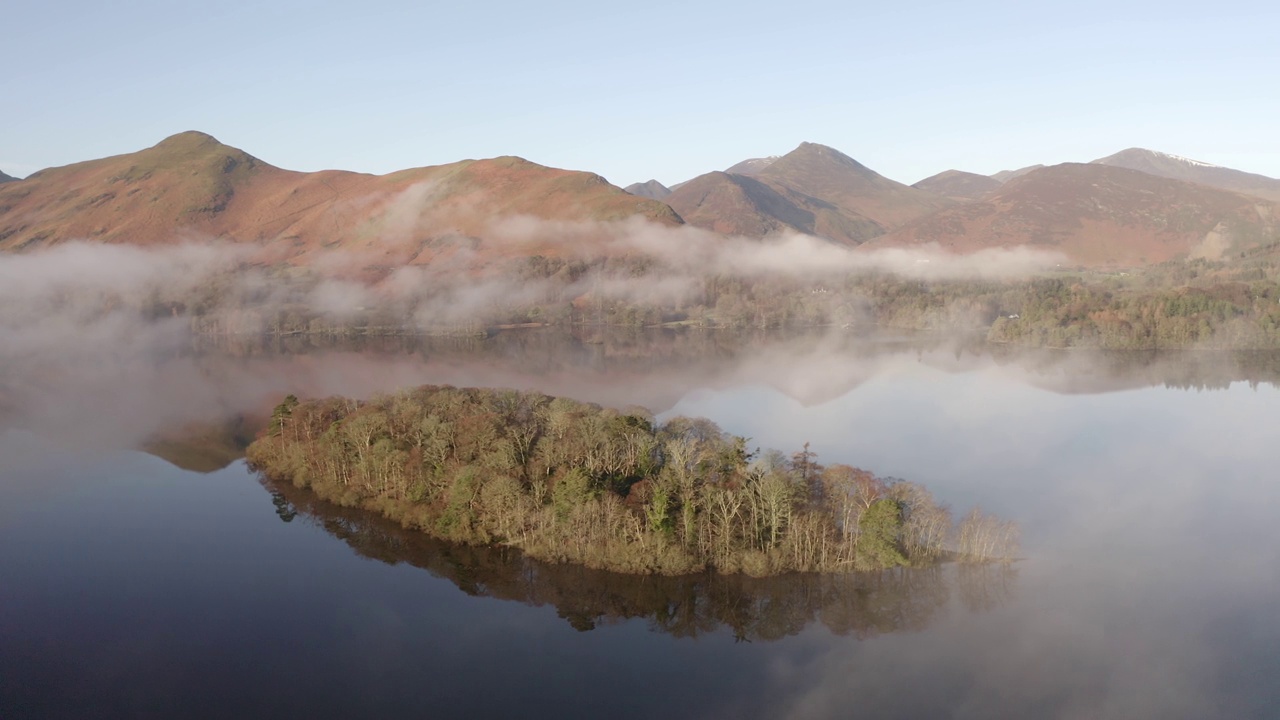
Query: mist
(99, 353)
(1141, 481)
(59, 300)
(687, 249)
(1146, 504)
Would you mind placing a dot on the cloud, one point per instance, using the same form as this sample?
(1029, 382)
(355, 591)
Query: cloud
(687, 249)
(84, 310)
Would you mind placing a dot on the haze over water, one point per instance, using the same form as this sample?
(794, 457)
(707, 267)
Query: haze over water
(1143, 484)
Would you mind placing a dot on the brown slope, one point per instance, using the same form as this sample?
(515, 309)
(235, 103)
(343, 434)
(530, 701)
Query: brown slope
(959, 185)
(832, 177)
(1099, 215)
(737, 205)
(190, 185)
(742, 205)
(1187, 170)
(185, 182)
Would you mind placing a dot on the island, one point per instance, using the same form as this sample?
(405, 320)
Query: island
(574, 482)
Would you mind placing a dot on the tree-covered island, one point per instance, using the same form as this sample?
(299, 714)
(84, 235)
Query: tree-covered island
(568, 481)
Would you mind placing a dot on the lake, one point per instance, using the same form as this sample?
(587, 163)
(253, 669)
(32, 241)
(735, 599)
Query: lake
(144, 571)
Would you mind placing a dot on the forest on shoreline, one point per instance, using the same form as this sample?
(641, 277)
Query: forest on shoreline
(572, 482)
(1180, 304)
(206, 292)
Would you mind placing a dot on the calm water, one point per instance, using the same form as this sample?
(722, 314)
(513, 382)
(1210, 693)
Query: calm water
(1145, 486)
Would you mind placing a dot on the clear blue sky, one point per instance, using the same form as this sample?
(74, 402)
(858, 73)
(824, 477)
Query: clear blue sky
(644, 89)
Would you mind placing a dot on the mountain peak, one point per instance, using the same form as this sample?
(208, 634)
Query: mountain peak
(753, 166)
(817, 151)
(1136, 152)
(188, 139)
(652, 189)
(7, 178)
(1176, 167)
(194, 147)
(817, 166)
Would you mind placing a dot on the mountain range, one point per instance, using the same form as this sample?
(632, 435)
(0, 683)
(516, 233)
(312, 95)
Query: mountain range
(190, 186)
(1134, 207)
(1099, 215)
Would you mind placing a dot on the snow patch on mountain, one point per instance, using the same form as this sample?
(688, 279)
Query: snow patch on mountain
(1186, 160)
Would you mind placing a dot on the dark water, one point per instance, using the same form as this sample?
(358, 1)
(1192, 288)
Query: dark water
(1145, 486)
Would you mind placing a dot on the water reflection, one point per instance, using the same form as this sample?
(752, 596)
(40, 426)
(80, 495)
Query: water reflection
(1149, 512)
(859, 605)
(197, 405)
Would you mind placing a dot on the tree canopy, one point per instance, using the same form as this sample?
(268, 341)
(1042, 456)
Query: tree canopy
(575, 482)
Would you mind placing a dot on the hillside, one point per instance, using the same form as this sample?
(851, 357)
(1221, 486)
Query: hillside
(743, 205)
(1187, 170)
(183, 184)
(7, 178)
(737, 205)
(1099, 215)
(192, 186)
(959, 185)
(1005, 176)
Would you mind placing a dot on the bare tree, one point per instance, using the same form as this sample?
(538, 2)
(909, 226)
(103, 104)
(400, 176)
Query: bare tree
(986, 538)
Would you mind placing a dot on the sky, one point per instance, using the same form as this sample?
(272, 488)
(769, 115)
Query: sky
(634, 91)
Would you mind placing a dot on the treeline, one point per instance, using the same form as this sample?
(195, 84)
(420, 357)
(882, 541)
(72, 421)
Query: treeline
(1182, 304)
(573, 482)
(860, 605)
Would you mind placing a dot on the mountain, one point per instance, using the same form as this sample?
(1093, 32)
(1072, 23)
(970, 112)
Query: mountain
(743, 205)
(813, 189)
(830, 176)
(1100, 215)
(1005, 176)
(192, 186)
(1175, 167)
(736, 205)
(958, 185)
(753, 166)
(7, 178)
(653, 190)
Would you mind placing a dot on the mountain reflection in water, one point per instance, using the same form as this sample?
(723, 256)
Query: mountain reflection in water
(1144, 483)
(860, 605)
(191, 378)
(197, 404)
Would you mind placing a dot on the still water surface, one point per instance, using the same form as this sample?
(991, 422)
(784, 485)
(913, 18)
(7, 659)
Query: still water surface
(1145, 487)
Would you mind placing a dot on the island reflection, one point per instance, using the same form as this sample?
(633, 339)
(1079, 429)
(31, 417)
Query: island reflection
(161, 397)
(860, 605)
